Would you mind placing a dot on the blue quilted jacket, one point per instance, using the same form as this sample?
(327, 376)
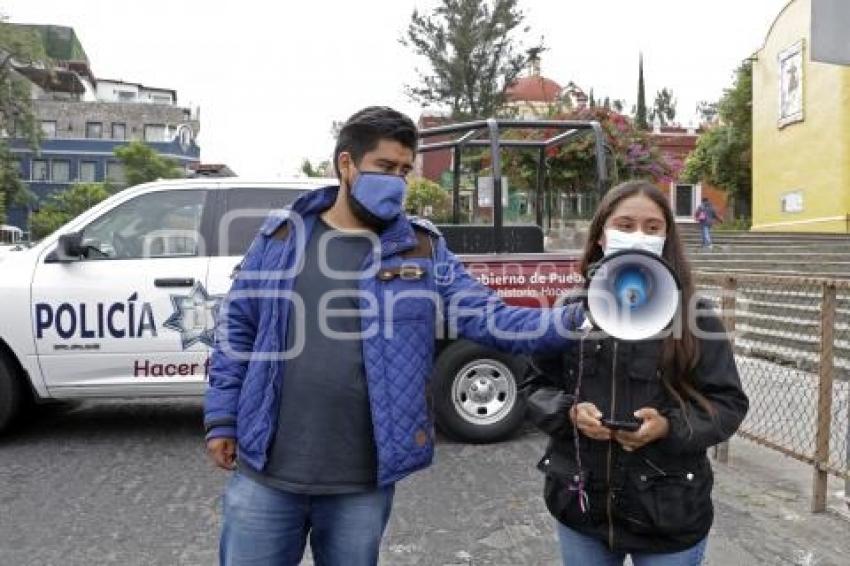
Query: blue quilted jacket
(247, 368)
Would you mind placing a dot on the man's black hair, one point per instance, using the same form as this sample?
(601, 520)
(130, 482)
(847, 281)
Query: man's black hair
(362, 131)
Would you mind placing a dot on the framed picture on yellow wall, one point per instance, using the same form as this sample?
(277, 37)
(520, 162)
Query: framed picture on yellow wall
(791, 65)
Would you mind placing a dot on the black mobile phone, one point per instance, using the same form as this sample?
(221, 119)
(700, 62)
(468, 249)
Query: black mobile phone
(630, 426)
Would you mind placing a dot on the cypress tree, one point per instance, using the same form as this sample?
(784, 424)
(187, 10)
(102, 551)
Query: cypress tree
(640, 113)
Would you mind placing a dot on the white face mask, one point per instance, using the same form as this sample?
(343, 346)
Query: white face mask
(617, 240)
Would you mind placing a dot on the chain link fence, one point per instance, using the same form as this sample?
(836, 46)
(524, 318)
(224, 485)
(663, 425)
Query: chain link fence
(792, 344)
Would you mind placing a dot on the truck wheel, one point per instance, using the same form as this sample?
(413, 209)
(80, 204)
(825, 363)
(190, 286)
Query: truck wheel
(475, 393)
(11, 395)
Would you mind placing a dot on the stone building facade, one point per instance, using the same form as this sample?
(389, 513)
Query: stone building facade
(120, 121)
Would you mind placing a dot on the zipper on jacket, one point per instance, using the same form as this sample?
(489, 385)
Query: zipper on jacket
(613, 409)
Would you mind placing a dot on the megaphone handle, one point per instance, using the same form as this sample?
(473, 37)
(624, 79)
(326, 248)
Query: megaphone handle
(628, 422)
(612, 407)
(627, 395)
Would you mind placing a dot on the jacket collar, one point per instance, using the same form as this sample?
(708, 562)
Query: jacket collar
(396, 238)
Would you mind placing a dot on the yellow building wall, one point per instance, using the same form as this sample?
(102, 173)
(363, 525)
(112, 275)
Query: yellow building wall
(811, 157)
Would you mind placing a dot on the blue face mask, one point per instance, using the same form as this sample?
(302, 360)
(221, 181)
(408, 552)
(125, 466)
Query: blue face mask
(377, 198)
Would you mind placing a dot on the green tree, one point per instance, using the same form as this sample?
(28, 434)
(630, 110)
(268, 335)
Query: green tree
(572, 167)
(616, 104)
(12, 189)
(65, 205)
(474, 51)
(723, 156)
(428, 199)
(323, 169)
(707, 112)
(664, 108)
(640, 109)
(19, 47)
(142, 164)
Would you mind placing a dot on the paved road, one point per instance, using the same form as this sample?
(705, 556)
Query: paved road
(120, 483)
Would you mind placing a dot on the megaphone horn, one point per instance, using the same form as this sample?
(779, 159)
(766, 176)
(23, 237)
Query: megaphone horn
(632, 294)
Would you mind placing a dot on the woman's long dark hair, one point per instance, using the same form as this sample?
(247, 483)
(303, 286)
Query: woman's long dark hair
(680, 354)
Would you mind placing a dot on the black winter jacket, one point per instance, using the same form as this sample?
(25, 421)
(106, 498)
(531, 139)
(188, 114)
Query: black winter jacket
(657, 498)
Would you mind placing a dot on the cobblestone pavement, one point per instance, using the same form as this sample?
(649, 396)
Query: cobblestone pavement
(129, 483)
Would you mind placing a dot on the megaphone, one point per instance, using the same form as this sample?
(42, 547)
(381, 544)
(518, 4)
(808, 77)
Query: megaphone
(632, 295)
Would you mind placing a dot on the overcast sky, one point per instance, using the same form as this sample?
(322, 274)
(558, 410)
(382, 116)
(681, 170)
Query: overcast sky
(270, 77)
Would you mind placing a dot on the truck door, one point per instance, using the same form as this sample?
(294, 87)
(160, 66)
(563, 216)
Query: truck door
(131, 316)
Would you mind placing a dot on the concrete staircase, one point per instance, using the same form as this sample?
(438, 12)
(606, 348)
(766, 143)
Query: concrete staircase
(779, 323)
(816, 255)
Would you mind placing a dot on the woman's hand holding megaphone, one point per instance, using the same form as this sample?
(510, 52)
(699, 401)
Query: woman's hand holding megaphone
(654, 427)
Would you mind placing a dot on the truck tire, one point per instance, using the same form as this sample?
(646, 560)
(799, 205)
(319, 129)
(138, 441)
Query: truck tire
(475, 393)
(11, 393)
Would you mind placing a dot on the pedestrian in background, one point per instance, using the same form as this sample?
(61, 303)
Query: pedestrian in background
(706, 216)
(644, 493)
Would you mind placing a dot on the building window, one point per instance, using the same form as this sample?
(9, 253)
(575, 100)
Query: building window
(184, 134)
(88, 171)
(159, 99)
(61, 171)
(154, 132)
(94, 130)
(685, 200)
(119, 131)
(17, 130)
(115, 173)
(48, 128)
(39, 170)
(126, 96)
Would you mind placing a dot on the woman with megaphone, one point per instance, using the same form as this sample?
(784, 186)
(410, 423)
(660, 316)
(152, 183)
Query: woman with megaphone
(632, 409)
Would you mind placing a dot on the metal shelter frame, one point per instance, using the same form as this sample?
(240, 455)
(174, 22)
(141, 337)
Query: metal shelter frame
(469, 134)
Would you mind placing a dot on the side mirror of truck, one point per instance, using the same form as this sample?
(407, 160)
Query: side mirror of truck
(70, 248)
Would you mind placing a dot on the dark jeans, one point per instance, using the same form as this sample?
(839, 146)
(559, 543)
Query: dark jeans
(267, 526)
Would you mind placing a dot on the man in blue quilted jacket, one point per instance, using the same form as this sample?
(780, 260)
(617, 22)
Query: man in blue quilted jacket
(324, 346)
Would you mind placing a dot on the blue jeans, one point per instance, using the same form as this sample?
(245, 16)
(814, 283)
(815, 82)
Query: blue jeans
(267, 526)
(581, 550)
(705, 233)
